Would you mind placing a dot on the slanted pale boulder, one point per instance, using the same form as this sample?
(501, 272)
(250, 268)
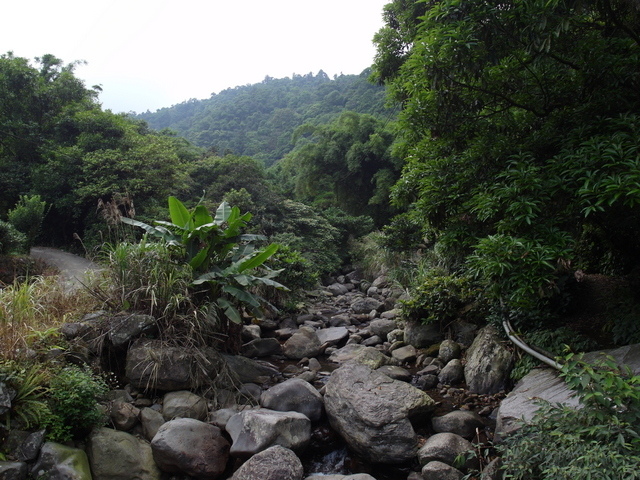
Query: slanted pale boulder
(184, 404)
(445, 447)
(489, 363)
(115, 455)
(373, 413)
(294, 395)
(253, 431)
(274, 463)
(303, 343)
(187, 445)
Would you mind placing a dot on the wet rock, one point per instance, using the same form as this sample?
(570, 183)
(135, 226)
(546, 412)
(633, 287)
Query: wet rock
(333, 335)
(303, 343)
(489, 363)
(445, 447)
(13, 470)
(151, 421)
(123, 415)
(452, 373)
(253, 431)
(274, 463)
(426, 382)
(58, 462)
(294, 395)
(29, 448)
(448, 351)
(154, 365)
(372, 412)
(251, 371)
(189, 446)
(262, 347)
(405, 354)
(115, 455)
(421, 336)
(436, 470)
(460, 422)
(184, 404)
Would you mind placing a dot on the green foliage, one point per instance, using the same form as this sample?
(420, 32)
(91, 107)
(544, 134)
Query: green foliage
(28, 405)
(601, 440)
(73, 396)
(440, 298)
(226, 260)
(147, 277)
(258, 120)
(11, 239)
(27, 216)
(556, 341)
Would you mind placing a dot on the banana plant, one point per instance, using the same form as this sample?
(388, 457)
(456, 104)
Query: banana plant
(222, 257)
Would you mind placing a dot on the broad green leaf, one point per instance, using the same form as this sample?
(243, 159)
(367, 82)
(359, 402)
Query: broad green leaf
(259, 258)
(242, 295)
(179, 214)
(201, 216)
(223, 213)
(229, 310)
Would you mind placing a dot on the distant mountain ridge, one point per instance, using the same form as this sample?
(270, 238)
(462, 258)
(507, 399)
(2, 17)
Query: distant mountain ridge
(258, 120)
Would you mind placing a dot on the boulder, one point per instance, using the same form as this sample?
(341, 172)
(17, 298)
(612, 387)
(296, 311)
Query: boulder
(448, 351)
(294, 395)
(421, 336)
(337, 289)
(29, 447)
(332, 335)
(262, 347)
(154, 365)
(373, 413)
(489, 363)
(274, 463)
(303, 343)
(544, 384)
(253, 431)
(382, 327)
(357, 476)
(192, 447)
(115, 455)
(366, 305)
(460, 422)
(184, 404)
(452, 373)
(59, 462)
(250, 371)
(151, 421)
(342, 320)
(395, 372)
(123, 415)
(436, 470)
(445, 447)
(6, 394)
(13, 470)
(405, 354)
(124, 329)
(362, 354)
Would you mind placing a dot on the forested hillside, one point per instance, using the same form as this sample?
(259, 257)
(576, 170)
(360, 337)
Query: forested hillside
(259, 120)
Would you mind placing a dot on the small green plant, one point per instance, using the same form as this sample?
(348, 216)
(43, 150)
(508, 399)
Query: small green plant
(11, 239)
(601, 440)
(27, 217)
(73, 400)
(28, 406)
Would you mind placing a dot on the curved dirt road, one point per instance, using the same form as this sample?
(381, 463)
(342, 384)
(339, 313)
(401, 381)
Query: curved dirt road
(73, 269)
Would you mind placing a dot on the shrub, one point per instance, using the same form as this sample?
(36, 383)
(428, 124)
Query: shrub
(11, 239)
(27, 217)
(28, 405)
(73, 399)
(601, 440)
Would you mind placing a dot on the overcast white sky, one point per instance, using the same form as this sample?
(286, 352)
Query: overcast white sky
(148, 54)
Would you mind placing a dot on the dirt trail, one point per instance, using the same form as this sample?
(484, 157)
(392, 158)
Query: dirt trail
(73, 269)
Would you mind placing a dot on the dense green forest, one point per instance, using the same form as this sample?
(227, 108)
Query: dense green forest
(259, 120)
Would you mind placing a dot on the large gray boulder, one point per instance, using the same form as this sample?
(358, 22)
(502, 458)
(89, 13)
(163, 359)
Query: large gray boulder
(382, 327)
(189, 446)
(460, 422)
(184, 404)
(59, 462)
(262, 347)
(274, 463)
(13, 470)
(124, 329)
(332, 335)
(154, 365)
(366, 305)
(373, 413)
(489, 363)
(420, 335)
(115, 455)
(436, 470)
(356, 353)
(151, 421)
(303, 343)
(294, 395)
(253, 431)
(250, 371)
(445, 447)
(544, 384)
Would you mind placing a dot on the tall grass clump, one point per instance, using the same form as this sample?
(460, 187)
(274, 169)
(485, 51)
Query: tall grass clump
(27, 309)
(146, 277)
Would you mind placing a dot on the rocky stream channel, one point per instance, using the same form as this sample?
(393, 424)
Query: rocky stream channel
(343, 390)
